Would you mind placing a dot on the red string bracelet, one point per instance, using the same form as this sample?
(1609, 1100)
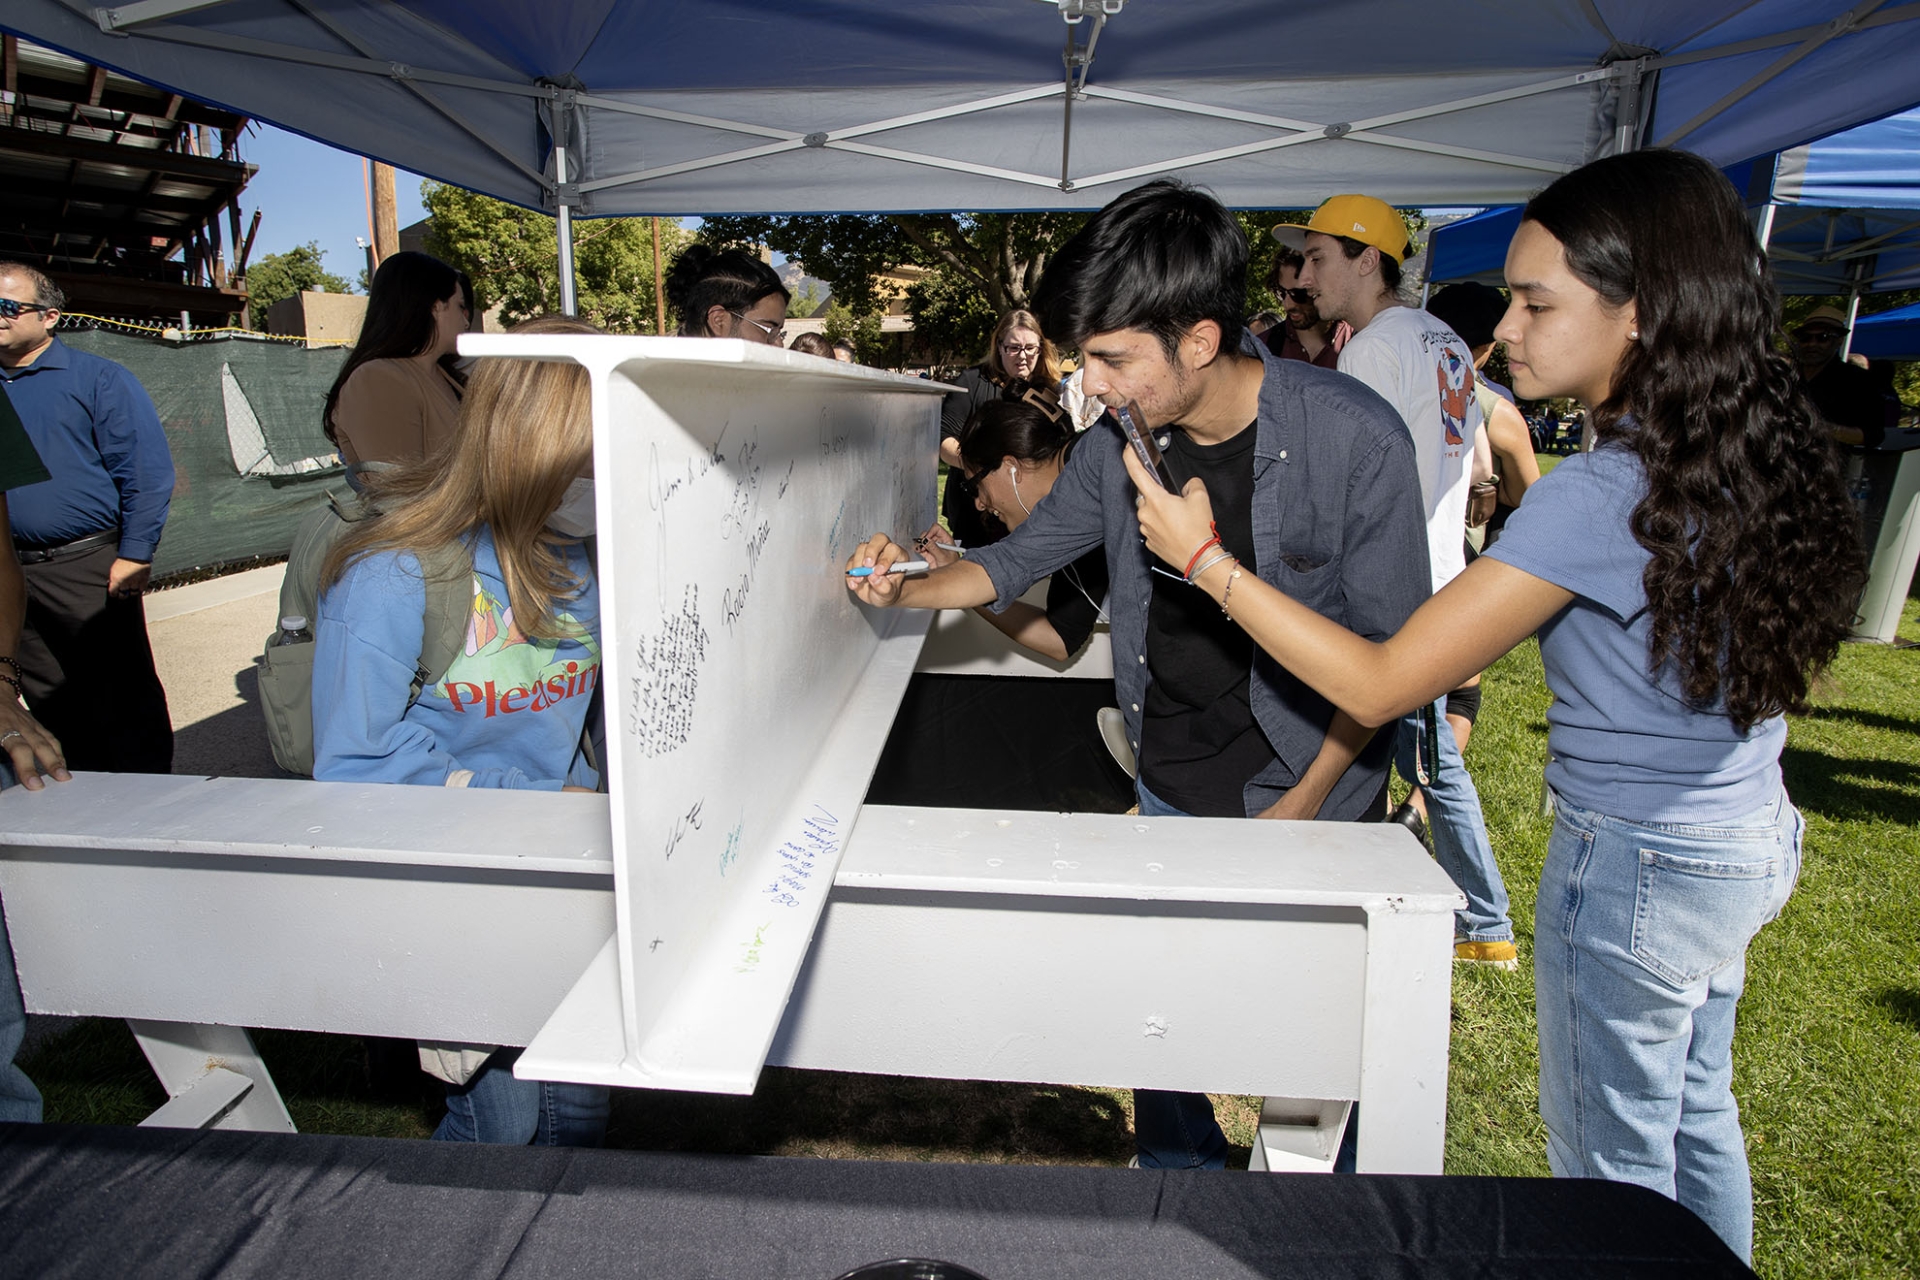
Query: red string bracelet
(1214, 541)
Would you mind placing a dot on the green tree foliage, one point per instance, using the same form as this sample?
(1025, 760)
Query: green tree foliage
(984, 264)
(863, 331)
(513, 257)
(281, 275)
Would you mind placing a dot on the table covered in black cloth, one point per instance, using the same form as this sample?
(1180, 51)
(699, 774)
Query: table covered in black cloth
(96, 1201)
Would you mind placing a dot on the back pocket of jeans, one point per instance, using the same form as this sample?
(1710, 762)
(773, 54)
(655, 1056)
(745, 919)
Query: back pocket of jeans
(1693, 917)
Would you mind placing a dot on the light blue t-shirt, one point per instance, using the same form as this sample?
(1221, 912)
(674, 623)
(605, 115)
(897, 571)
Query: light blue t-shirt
(508, 713)
(1624, 742)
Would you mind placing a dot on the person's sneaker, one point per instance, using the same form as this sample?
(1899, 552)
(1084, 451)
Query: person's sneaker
(1495, 955)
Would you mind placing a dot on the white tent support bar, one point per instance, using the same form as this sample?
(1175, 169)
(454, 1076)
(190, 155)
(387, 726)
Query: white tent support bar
(689, 166)
(1462, 153)
(1195, 108)
(940, 162)
(1275, 144)
(684, 117)
(116, 20)
(1871, 245)
(1480, 100)
(945, 113)
(838, 139)
(417, 90)
(1764, 231)
(1845, 24)
(1779, 39)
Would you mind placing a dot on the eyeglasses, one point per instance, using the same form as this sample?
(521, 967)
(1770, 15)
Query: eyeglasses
(776, 334)
(1014, 349)
(11, 310)
(1300, 296)
(969, 486)
(1817, 335)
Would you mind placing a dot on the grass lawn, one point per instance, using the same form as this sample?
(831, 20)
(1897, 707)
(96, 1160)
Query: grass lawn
(1827, 1059)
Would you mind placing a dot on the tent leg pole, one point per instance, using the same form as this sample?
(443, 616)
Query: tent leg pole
(563, 230)
(1853, 314)
(1765, 231)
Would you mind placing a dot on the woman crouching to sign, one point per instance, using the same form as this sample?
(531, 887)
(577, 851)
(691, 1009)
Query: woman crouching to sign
(505, 505)
(1686, 579)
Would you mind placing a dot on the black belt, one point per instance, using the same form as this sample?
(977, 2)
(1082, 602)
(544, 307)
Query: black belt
(40, 555)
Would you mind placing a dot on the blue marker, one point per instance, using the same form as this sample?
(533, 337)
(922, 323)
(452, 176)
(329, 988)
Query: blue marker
(904, 566)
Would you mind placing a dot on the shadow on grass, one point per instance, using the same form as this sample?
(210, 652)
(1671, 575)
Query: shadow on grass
(841, 1115)
(1848, 790)
(1865, 719)
(96, 1074)
(1903, 1003)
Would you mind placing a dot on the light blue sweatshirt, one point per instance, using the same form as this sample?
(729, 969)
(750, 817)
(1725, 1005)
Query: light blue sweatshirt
(508, 713)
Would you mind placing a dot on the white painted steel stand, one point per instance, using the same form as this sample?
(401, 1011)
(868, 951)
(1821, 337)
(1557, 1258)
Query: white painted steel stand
(1286, 960)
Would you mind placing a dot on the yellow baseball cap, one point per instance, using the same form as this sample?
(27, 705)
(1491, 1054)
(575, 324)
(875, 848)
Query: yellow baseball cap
(1361, 218)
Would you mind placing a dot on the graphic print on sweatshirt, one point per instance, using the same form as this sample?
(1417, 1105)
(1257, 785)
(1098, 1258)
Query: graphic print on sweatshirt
(1456, 390)
(501, 672)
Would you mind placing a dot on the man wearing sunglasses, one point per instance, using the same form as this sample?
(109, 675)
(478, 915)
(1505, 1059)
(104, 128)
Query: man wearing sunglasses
(1305, 335)
(86, 538)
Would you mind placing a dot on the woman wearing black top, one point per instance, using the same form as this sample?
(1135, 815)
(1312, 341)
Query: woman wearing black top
(1013, 452)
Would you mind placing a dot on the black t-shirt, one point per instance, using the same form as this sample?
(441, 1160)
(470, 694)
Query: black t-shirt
(1199, 742)
(1849, 396)
(1074, 596)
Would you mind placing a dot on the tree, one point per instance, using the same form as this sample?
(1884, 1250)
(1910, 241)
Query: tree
(514, 259)
(984, 264)
(281, 275)
(862, 331)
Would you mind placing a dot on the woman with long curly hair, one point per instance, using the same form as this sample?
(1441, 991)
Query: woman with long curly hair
(1687, 580)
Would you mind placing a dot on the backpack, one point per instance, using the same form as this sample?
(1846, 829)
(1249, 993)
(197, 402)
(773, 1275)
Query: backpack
(286, 670)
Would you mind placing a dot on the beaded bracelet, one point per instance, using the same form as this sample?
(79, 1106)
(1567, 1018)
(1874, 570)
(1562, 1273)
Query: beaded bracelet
(1228, 593)
(18, 692)
(12, 662)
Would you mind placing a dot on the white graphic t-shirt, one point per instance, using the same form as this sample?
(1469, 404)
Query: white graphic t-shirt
(1425, 371)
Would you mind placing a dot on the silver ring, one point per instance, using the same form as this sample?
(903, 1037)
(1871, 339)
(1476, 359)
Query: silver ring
(11, 733)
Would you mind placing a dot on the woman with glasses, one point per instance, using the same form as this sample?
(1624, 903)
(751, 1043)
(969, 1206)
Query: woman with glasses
(397, 397)
(727, 293)
(1020, 365)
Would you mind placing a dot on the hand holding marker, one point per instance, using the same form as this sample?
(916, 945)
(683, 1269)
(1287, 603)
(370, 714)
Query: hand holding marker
(903, 566)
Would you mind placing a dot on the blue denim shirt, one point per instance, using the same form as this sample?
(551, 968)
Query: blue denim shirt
(97, 431)
(1338, 524)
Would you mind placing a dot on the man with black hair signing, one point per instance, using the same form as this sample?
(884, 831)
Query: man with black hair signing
(1310, 475)
(1351, 253)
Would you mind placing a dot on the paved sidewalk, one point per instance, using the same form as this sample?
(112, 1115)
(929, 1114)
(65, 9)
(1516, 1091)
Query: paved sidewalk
(207, 640)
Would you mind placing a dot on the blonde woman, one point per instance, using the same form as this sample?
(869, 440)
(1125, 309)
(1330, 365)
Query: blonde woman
(513, 490)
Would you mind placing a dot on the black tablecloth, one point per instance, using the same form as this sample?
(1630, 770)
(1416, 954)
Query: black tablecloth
(96, 1201)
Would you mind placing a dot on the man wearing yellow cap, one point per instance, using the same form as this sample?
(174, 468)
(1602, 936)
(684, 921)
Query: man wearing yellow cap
(1351, 254)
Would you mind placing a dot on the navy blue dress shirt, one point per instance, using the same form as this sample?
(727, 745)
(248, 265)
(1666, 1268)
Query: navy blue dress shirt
(96, 429)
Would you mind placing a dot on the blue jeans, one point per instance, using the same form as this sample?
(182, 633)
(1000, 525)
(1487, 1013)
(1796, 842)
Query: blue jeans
(1639, 958)
(1459, 832)
(495, 1106)
(19, 1100)
(1173, 1130)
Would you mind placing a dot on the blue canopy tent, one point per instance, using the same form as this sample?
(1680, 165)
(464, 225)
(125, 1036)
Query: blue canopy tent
(1819, 239)
(709, 106)
(1891, 335)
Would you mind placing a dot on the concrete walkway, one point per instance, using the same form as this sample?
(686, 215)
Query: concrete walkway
(207, 639)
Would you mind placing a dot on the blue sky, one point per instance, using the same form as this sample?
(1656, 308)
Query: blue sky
(307, 190)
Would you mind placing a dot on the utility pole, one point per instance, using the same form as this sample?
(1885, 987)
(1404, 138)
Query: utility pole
(386, 221)
(659, 286)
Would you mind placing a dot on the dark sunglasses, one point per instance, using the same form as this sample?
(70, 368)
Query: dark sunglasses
(11, 310)
(1817, 334)
(1300, 296)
